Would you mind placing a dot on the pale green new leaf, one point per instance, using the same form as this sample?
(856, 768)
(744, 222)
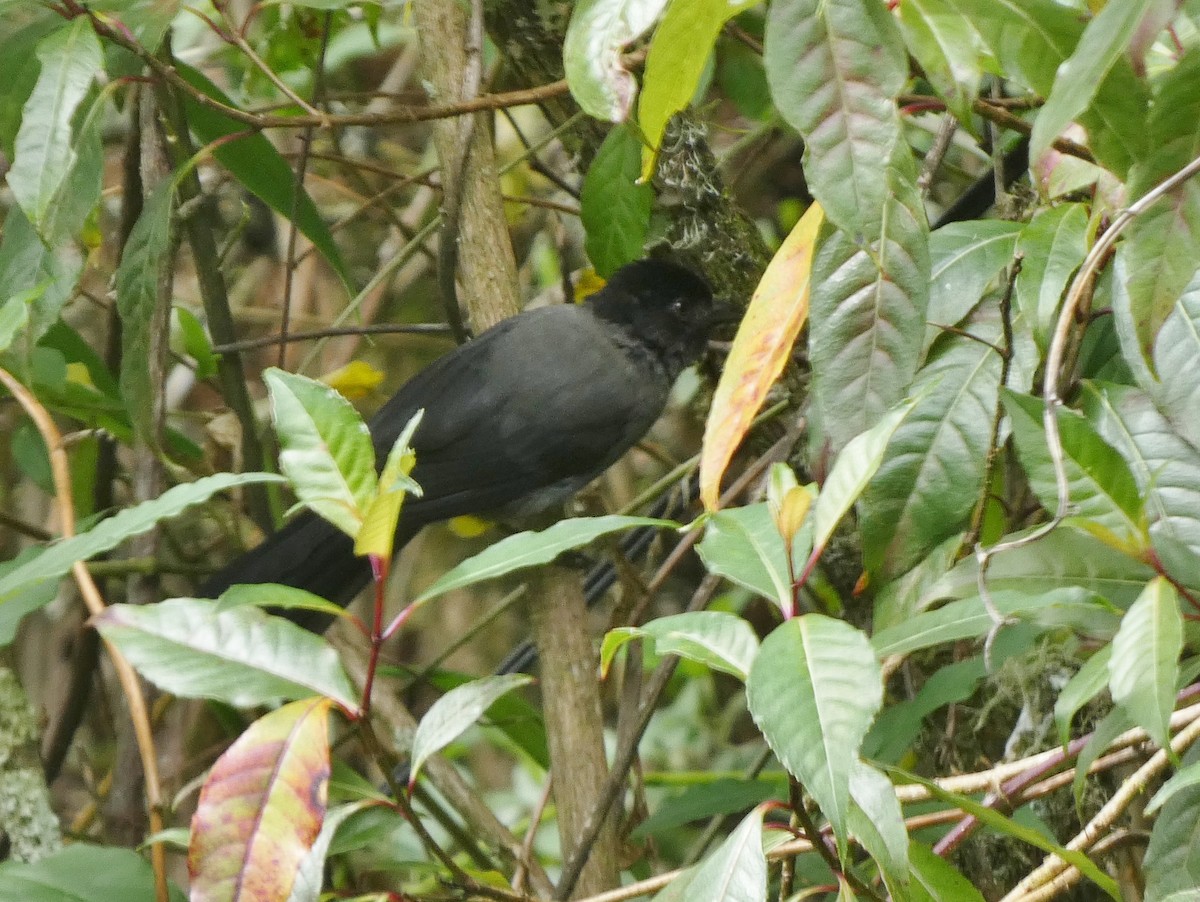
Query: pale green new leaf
(451, 715)
(718, 640)
(241, 656)
(735, 872)
(326, 450)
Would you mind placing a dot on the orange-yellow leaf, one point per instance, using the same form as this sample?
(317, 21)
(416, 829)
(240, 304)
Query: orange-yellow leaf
(777, 313)
(262, 807)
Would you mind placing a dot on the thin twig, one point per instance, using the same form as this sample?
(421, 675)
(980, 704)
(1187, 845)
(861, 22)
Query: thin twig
(61, 472)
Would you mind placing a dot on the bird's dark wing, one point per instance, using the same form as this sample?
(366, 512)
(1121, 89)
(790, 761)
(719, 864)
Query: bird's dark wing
(547, 400)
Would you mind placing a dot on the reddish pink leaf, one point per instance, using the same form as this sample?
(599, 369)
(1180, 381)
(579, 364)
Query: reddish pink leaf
(262, 807)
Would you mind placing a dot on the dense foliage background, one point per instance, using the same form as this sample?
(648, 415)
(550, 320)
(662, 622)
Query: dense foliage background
(932, 637)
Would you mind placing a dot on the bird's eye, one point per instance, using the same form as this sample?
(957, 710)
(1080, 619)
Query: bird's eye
(677, 306)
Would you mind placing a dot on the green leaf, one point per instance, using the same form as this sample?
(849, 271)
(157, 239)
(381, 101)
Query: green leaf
(934, 879)
(1166, 467)
(1103, 495)
(841, 99)
(715, 639)
(451, 715)
(1162, 246)
(965, 257)
(14, 315)
(709, 798)
(614, 208)
(1066, 558)
(531, 549)
(1052, 245)
(1089, 681)
(241, 656)
(878, 822)
(325, 448)
(951, 52)
(735, 872)
(1175, 354)
(683, 43)
(931, 476)
(867, 321)
(1172, 862)
(851, 472)
(70, 57)
(1101, 47)
(969, 618)
(146, 20)
(55, 560)
(28, 265)
(81, 873)
(743, 545)
(1144, 666)
(990, 817)
(599, 31)
(1185, 778)
(271, 595)
(19, 70)
(259, 168)
(899, 724)
(814, 688)
(143, 313)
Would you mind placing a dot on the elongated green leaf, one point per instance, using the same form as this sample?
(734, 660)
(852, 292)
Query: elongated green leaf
(718, 640)
(1031, 38)
(1079, 78)
(878, 822)
(1172, 862)
(310, 875)
(934, 879)
(814, 688)
(1166, 467)
(28, 265)
(997, 821)
(1186, 778)
(841, 99)
(1145, 659)
(965, 257)
(1163, 244)
(1052, 246)
(1068, 557)
(931, 476)
(259, 167)
(682, 44)
(1088, 682)
(82, 873)
(969, 618)
(270, 595)
(378, 532)
(70, 57)
(451, 715)
(241, 656)
(735, 872)
(598, 32)
(1103, 493)
(1175, 354)
(614, 208)
(326, 450)
(58, 558)
(743, 544)
(898, 725)
(853, 469)
(702, 800)
(19, 71)
(951, 52)
(143, 313)
(867, 320)
(531, 549)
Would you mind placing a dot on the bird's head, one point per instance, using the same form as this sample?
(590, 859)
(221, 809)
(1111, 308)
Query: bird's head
(663, 305)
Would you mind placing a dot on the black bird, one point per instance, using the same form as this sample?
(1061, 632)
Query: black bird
(516, 420)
